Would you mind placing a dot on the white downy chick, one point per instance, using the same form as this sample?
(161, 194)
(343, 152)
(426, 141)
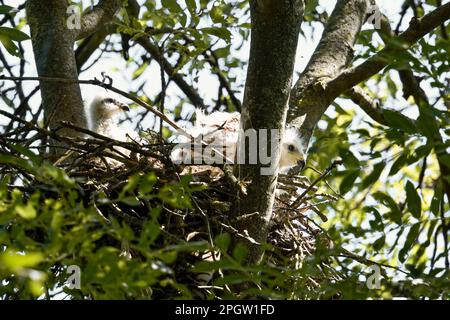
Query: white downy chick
(221, 130)
(293, 150)
(104, 112)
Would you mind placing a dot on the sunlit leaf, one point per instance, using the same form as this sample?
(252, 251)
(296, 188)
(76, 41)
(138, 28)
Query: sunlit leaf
(16, 261)
(413, 200)
(26, 211)
(222, 33)
(410, 239)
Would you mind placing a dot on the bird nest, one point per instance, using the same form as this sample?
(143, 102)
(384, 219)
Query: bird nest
(100, 168)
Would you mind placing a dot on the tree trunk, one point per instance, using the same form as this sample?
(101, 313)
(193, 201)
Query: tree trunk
(53, 44)
(275, 30)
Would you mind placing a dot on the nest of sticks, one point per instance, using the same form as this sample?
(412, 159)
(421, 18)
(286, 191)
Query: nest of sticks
(293, 232)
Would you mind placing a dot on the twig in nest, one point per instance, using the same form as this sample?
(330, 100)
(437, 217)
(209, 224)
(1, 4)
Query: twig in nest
(108, 86)
(299, 200)
(328, 185)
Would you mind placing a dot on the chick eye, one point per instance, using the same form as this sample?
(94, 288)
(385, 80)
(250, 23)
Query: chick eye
(291, 148)
(109, 100)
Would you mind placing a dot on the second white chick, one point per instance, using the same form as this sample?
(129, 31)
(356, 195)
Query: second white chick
(221, 130)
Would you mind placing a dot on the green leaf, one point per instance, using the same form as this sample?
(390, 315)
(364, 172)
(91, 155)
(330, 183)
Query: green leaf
(222, 241)
(140, 71)
(445, 159)
(10, 46)
(395, 214)
(379, 243)
(5, 9)
(240, 252)
(349, 181)
(311, 6)
(26, 211)
(377, 223)
(437, 199)
(391, 85)
(420, 153)
(232, 279)
(13, 34)
(172, 5)
(51, 174)
(191, 5)
(222, 52)
(8, 35)
(350, 160)
(26, 152)
(216, 14)
(147, 182)
(374, 175)
(409, 242)
(17, 261)
(427, 123)
(413, 200)
(207, 266)
(131, 185)
(397, 120)
(131, 201)
(16, 161)
(150, 233)
(398, 164)
(222, 33)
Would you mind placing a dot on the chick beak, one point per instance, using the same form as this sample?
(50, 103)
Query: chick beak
(300, 165)
(124, 107)
(297, 168)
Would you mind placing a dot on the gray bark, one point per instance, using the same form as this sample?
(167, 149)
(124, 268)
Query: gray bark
(275, 30)
(376, 63)
(327, 75)
(333, 54)
(54, 55)
(99, 16)
(53, 46)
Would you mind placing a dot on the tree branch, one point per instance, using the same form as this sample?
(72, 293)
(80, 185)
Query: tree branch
(214, 62)
(373, 65)
(90, 44)
(101, 14)
(411, 85)
(333, 54)
(187, 89)
(104, 85)
(367, 104)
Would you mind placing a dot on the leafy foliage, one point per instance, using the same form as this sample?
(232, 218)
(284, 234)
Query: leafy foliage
(393, 188)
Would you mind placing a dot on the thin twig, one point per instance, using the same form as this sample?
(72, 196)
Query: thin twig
(298, 201)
